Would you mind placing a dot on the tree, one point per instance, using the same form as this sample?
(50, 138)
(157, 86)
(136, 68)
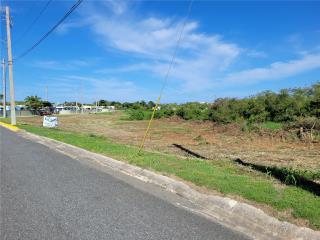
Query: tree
(314, 105)
(33, 102)
(227, 110)
(46, 104)
(193, 111)
(151, 104)
(103, 103)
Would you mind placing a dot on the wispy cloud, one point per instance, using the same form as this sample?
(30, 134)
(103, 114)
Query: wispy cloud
(275, 70)
(67, 26)
(88, 89)
(204, 59)
(61, 65)
(256, 54)
(152, 40)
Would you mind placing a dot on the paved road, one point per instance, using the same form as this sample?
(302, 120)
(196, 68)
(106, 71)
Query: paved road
(47, 195)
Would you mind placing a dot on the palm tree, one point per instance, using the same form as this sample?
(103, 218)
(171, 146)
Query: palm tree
(33, 102)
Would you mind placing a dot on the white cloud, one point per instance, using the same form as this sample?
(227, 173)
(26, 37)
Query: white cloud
(152, 40)
(276, 70)
(156, 38)
(203, 59)
(118, 7)
(92, 88)
(61, 65)
(256, 54)
(66, 26)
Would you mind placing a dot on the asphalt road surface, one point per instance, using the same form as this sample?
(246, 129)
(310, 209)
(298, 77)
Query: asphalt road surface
(47, 195)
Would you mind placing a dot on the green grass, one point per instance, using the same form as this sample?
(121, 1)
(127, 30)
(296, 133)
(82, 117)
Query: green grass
(271, 125)
(5, 120)
(223, 176)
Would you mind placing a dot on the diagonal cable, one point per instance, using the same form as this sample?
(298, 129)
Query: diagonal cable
(33, 22)
(50, 31)
(166, 76)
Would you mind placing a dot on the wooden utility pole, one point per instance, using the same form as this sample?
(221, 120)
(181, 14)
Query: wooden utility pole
(12, 101)
(46, 90)
(77, 96)
(81, 97)
(77, 106)
(4, 88)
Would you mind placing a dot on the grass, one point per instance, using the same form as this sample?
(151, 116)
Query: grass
(220, 141)
(271, 125)
(223, 176)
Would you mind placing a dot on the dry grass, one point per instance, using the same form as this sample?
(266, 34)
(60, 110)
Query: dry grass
(211, 141)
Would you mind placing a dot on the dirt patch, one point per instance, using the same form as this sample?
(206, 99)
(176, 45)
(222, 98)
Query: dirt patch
(214, 142)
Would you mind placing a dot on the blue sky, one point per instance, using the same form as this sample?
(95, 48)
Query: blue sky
(121, 50)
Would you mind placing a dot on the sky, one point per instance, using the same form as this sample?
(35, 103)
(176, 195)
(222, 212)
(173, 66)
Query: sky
(122, 50)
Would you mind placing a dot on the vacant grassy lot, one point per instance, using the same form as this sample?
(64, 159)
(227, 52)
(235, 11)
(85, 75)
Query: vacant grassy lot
(286, 202)
(208, 140)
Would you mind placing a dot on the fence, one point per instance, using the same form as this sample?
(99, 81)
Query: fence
(19, 113)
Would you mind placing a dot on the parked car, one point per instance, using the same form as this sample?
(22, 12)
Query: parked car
(44, 113)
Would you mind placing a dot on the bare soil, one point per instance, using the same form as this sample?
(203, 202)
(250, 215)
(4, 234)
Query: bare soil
(214, 142)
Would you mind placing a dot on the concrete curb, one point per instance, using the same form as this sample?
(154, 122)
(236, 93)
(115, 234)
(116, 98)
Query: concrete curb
(9, 126)
(231, 213)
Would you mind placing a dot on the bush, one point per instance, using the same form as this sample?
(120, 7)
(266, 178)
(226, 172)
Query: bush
(193, 111)
(227, 110)
(288, 105)
(137, 115)
(306, 123)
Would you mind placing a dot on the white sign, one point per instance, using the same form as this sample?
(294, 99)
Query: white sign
(50, 122)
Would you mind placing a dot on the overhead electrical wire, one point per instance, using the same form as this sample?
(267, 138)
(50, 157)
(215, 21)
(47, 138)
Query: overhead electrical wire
(166, 77)
(2, 25)
(32, 7)
(27, 51)
(33, 22)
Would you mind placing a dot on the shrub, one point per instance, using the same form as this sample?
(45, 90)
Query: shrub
(306, 123)
(136, 115)
(193, 111)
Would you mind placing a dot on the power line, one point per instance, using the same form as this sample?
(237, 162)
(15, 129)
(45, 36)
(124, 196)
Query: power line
(33, 22)
(50, 31)
(2, 25)
(166, 76)
(32, 7)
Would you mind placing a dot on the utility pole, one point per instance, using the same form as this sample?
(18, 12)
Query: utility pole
(46, 90)
(77, 95)
(81, 97)
(4, 88)
(12, 102)
(76, 106)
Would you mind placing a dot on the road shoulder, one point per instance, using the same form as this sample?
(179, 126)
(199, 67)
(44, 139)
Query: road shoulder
(9, 126)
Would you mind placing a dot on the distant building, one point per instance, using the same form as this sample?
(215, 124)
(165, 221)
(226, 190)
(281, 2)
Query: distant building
(62, 109)
(108, 109)
(18, 107)
(111, 107)
(87, 107)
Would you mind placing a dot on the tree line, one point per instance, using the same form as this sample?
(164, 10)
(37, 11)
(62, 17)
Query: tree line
(288, 105)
